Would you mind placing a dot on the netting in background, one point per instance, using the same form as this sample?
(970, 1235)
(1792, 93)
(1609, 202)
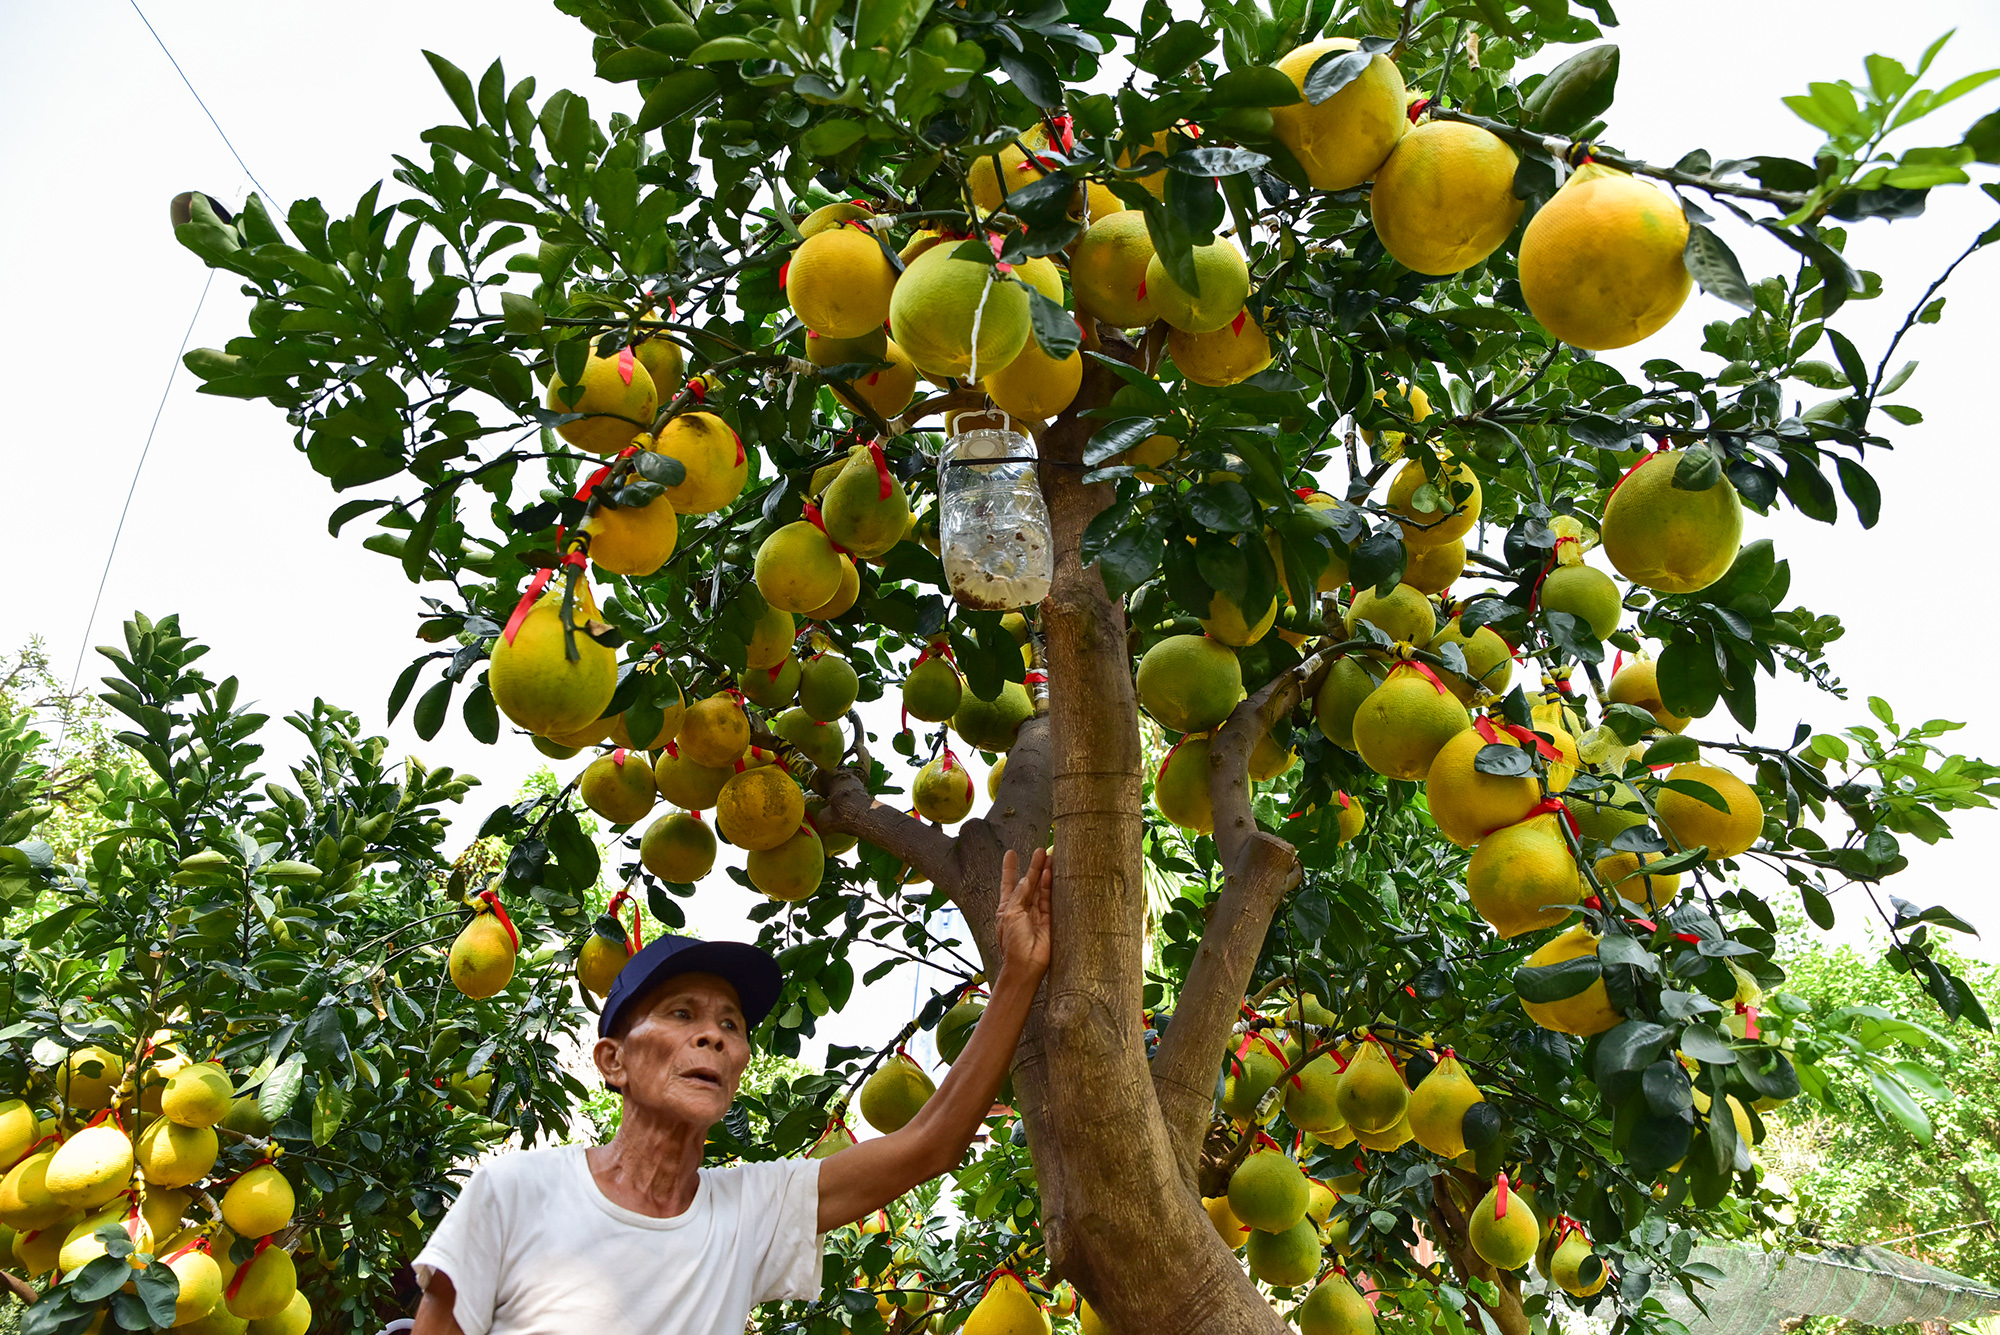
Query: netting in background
(1759, 1290)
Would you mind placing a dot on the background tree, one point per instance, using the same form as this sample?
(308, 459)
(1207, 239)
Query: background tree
(384, 337)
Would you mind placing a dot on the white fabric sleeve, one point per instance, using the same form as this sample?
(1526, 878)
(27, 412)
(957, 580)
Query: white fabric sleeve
(467, 1249)
(787, 1194)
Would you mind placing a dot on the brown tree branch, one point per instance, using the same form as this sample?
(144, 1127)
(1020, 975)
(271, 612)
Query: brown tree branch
(1259, 869)
(852, 809)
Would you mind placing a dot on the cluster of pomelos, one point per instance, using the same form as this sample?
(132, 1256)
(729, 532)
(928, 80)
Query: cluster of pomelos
(107, 1157)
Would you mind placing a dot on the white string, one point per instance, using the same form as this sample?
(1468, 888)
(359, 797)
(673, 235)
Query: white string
(978, 312)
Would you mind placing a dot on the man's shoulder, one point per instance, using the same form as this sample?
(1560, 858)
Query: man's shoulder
(763, 1177)
(528, 1168)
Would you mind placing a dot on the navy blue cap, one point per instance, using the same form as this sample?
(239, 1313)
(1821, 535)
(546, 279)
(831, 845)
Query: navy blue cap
(755, 975)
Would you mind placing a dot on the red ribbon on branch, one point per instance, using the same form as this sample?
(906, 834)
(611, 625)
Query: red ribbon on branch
(1528, 737)
(886, 483)
(243, 1271)
(1548, 806)
(534, 591)
(1628, 473)
(1425, 668)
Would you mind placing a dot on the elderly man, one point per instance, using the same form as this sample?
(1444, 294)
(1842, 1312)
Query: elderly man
(636, 1237)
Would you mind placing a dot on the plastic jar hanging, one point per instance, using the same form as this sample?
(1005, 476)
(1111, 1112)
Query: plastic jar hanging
(993, 529)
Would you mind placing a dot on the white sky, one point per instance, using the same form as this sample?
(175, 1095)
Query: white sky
(228, 527)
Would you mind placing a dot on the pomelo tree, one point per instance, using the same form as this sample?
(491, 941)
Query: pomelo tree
(1299, 334)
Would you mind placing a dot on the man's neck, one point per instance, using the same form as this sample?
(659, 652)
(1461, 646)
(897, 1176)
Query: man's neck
(651, 1167)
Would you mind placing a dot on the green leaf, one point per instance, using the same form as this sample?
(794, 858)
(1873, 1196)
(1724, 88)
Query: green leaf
(637, 62)
(156, 1288)
(1224, 507)
(1503, 759)
(1851, 364)
(281, 1088)
(1056, 330)
(99, 1279)
(329, 1108)
(1861, 490)
(1332, 72)
(1632, 1046)
(521, 314)
(831, 137)
(457, 86)
(1556, 982)
(1892, 1097)
(1254, 86)
(429, 714)
(1715, 266)
(675, 96)
(482, 719)
(404, 683)
(1577, 92)
(1175, 49)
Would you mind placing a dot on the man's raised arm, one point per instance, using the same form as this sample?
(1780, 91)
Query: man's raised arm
(861, 1180)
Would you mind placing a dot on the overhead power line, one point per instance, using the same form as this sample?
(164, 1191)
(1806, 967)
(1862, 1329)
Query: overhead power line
(197, 97)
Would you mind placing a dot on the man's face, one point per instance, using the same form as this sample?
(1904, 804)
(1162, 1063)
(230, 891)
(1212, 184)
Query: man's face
(684, 1054)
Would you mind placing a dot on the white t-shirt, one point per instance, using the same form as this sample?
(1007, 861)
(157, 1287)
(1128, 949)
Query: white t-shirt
(533, 1247)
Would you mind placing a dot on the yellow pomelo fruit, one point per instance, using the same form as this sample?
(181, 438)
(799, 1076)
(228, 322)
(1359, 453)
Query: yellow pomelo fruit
(25, 1203)
(1233, 1231)
(938, 303)
(713, 455)
(1417, 406)
(1284, 1260)
(81, 1245)
(173, 1155)
(1344, 140)
(1466, 803)
(1392, 1138)
(1227, 355)
(87, 1077)
(943, 791)
(1352, 816)
(664, 361)
(1040, 272)
(632, 540)
(1503, 1228)
(828, 686)
(266, 1285)
(532, 679)
(1691, 821)
(619, 787)
(687, 785)
(1449, 517)
(886, 389)
(1180, 789)
(1335, 574)
(1587, 594)
(598, 963)
(770, 639)
(1189, 683)
(39, 1252)
(1520, 877)
(993, 779)
(219, 1321)
(1603, 812)
(296, 1319)
(895, 1093)
(865, 509)
(1638, 684)
(1669, 540)
(821, 743)
(1433, 569)
(617, 394)
(197, 1095)
(829, 216)
(1371, 1094)
(590, 734)
(1620, 872)
(843, 598)
(1310, 1102)
(1249, 1074)
(1589, 1011)
(838, 282)
(932, 691)
(1438, 1106)
(760, 808)
(246, 1117)
(1268, 759)
(1487, 658)
(1444, 200)
(1222, 286)
(1405, 722)
(797, 568)
(1601, 263)
(678, 847)
(18, 1125)
(1225, 620)
(1151, 453)
(1268, 1191)
(1566, 1267)
(164, 1209)
(714, 733)
(992, 725)
(1035, 386)
(90, 1167)
(1320, 1201)
(1006, 1308)
(1402, 614)
(991, 188)
(1347, 685)
(1335, 1307)
(1163, 141)
(1109, 271)
(200, 1287)
(481, 960)
(258, 1203)
(792, 870)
